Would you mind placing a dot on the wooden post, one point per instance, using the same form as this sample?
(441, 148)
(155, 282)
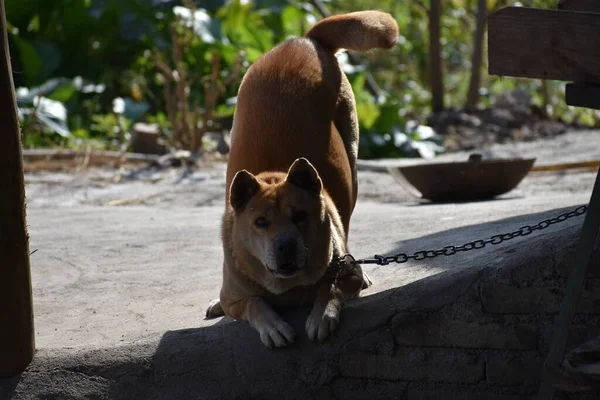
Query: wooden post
(477, 56)
(584, 261)
(17, 342)
(436, 70)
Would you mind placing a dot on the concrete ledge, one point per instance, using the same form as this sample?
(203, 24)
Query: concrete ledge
(446, 335)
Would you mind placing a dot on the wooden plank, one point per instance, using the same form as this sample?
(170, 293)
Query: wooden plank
(583, 95)
(16, 310)
(545, 44)
(588, 165)
(580, 5)
(60, 154)
(585, 260)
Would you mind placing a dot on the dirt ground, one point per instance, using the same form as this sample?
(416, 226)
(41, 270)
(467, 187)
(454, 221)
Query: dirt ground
(178, 187)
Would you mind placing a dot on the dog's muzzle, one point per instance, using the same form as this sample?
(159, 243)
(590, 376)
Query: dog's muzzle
(286, 256)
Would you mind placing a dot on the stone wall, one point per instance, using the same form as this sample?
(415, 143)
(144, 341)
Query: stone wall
(490, 341)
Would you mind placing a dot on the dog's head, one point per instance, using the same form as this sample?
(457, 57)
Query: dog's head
(279, 218)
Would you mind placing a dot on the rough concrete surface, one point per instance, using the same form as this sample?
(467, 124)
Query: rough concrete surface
(123, 272)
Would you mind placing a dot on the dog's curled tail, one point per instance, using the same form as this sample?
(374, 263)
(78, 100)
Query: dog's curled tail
(358, 31)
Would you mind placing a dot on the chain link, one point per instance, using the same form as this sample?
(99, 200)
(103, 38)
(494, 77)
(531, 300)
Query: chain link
(348, 260)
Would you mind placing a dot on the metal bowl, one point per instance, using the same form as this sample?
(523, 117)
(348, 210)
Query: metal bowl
(475, 179)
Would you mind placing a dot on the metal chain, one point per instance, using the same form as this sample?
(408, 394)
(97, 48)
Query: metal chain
(400, 258)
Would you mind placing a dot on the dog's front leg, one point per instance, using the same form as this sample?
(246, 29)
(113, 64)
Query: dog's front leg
(325, 315)
(273, 330)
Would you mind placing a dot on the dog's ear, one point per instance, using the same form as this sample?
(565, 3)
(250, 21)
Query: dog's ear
(243, 187)
(302, 174)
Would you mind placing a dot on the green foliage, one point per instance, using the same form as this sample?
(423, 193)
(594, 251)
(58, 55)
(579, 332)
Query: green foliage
(78, 56)
(112, 127)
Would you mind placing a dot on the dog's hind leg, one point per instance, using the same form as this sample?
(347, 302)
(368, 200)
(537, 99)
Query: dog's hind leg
(367, 282)
(346, 123)
(214, 309)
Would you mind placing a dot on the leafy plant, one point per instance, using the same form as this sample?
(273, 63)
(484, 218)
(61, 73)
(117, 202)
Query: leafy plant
(194, 34)
(179, 66)
(44, 109)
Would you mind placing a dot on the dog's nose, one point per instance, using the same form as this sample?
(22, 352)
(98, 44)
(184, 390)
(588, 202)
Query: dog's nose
(286, 254)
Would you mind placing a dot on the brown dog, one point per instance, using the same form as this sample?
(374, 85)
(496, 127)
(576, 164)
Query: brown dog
(292, 182)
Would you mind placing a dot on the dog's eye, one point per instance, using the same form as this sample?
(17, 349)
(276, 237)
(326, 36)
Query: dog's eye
(261, 222)
(299, 217)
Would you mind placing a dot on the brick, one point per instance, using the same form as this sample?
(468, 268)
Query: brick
(498, 298)
(583, 329)
(440, 331)
(360, 389)
(425, 394)
(431, 365)
(590, 301)
(510, 369)
(527, 273)
(564, 264)
(380, 341)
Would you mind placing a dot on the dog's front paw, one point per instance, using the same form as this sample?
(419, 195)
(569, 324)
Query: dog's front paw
(276, 334)
(322, 323)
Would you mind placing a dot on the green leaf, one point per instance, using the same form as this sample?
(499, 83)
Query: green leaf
(30, 60)
(51, 115)
(63, 93)
(253, 54)
(233, 15)
(206, 28)
(45, 90)
(34, 24)
(388, 118)
(291, 19)
(55, 125)
(50, 54)
(367, 114)
(133, 110)
(228, 52)
(357, 81)
(261, 38)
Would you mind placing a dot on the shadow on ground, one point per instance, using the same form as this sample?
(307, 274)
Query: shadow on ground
(8, 386)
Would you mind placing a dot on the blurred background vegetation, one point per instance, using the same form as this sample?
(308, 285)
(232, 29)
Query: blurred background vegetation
(90, 74)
